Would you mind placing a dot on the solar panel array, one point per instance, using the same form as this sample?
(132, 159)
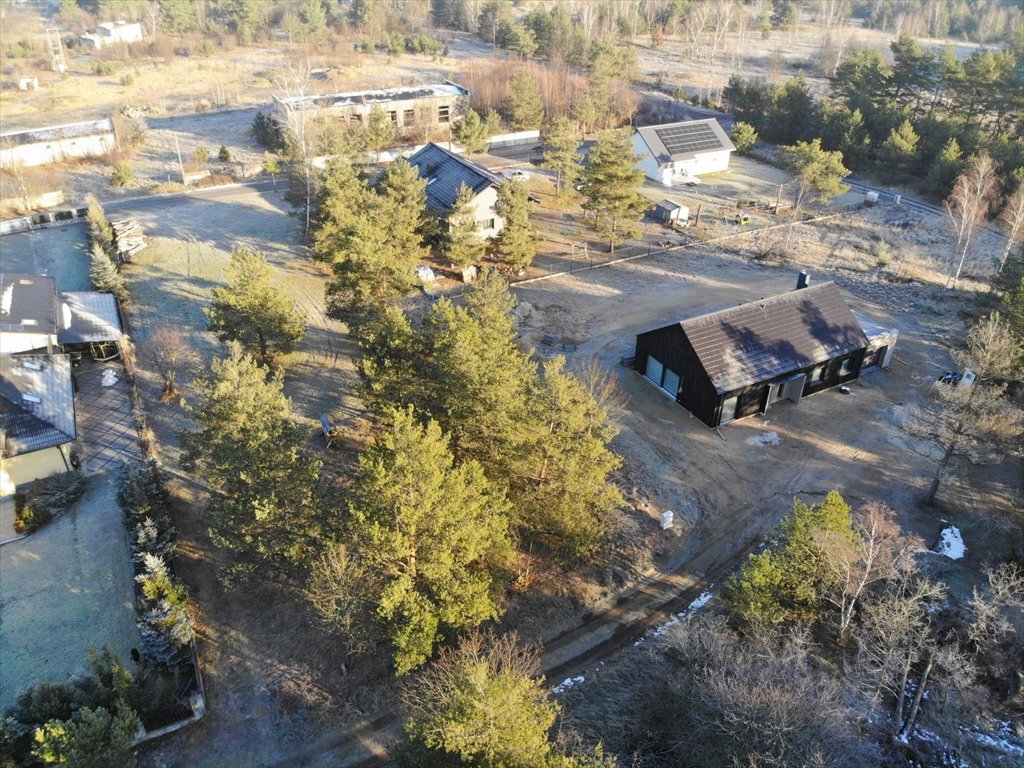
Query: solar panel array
(679, 139)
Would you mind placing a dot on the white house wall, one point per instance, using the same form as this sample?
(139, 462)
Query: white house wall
(14, 343)
(18, 470)
(647, 164)
(710, 162)
(43, 153)
(484, 210)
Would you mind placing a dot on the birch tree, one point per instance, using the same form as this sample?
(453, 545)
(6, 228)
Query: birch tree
(976, 420)
(966, 207)
(1012, 219)
(293, 85)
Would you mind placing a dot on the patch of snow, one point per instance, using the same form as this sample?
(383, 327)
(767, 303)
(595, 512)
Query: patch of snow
(765, 438)
(108, 379)
(566, 684)
(703, 599)
(1005, 745)
(951, 544)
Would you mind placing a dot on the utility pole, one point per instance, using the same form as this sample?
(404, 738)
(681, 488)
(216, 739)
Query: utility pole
(778, 200)
(181, 165)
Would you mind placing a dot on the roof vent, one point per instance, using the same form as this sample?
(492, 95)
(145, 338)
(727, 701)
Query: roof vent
(803, 279)
(32, 399)
(25, 281)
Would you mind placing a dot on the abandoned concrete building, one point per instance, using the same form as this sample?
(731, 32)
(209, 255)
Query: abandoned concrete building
(421, 107)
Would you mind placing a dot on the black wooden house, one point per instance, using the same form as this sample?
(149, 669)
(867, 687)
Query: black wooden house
(740, 361)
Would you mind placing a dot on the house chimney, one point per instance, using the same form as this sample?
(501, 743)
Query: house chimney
(802, 280)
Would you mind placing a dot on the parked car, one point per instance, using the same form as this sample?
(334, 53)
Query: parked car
(515, 174)
(690, 181)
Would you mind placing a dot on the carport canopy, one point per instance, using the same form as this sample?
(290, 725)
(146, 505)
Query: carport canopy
(88, 317)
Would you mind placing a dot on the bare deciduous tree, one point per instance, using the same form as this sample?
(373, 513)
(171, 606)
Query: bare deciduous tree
(338, 588)
(899, 642)
(171, 353)
(1012, 219)
(967, 205)
(992, 608)
(292, 85)
(880, 551)
(973, 420)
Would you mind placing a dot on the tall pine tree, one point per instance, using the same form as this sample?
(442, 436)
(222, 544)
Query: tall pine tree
(524, 107)
(515, 243)
(611, 182)
(249, 449)
(462, 245)
(561, 152)
(436, 532)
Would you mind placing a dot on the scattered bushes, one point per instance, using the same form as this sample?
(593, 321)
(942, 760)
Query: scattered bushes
(48, 498)
(104, 68)
(201, 155)
(122, 175)
(398, 44)
(267, 131)
(224, 155)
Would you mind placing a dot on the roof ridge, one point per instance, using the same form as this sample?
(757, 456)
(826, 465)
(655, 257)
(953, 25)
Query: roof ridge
(466, 162)
(772, 300)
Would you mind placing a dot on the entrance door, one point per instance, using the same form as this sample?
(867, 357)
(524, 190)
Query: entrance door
(793, 387)
(729, 409)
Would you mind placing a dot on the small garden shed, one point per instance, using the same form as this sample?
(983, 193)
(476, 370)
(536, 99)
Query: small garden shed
(670, 212)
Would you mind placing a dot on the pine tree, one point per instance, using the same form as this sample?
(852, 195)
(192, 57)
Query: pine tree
(412, 223)
(252, 310)
(813, 169)
(568, 493)
(525, 108)
(482, 378)
(92, 738)
(462, 244)
(103, 274)
(900, 149)
(392, 364)
(371, 267)
(484, 703)
(342, 201)
(515, 243)
(744, 137)
(610, 185)
(945, 169)
(314, 16)
(435, 531)
(249, 449)
(561, 152)
(470, 132)
(380, 131)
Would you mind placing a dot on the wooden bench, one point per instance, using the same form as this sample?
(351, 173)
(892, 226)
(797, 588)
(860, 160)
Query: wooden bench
(330, 430)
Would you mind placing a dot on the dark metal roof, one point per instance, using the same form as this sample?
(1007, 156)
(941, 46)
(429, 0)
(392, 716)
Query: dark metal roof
(672, 142)
(764, 339)
(93, 317)
(668, 205)
(445, 172)
(26, 425)
(28, 304)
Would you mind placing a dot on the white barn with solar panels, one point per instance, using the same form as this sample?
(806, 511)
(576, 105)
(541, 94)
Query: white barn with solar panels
(674, 151)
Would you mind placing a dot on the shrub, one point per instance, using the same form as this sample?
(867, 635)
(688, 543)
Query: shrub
(128, 78)
(28, 517)
(205, 48)
(57, 493)
(122, 175)
(224, 155)
(201, 155)
(882, 253)
(103, 68)
(267, 132)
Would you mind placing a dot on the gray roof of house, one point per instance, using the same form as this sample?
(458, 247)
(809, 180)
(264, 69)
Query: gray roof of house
(93, 316)
(669, 205)
(872, 329)
(445, 172)
(763, 339)
(685, 140)
(28, 304)
(25, 425)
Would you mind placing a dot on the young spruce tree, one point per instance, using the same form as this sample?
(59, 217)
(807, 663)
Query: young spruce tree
(462, 245)
(515, 243)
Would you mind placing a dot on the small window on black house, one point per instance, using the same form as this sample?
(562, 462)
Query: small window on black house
(847, 367)
(443, 114)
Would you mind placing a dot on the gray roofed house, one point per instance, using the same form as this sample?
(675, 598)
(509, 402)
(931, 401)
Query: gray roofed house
(446, 172)
(37, 403)
(90, 316)
(28, 313)
(738, 361)
(685, 149)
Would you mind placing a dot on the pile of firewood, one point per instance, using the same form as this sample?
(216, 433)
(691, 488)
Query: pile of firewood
(128, 239)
